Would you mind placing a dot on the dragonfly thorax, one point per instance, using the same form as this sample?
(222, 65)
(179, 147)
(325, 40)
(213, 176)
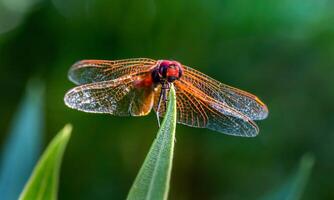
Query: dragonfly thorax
(167, 71)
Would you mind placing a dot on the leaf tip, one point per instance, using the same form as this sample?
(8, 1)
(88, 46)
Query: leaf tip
(172, 92)
(308, 159)
(65, 133)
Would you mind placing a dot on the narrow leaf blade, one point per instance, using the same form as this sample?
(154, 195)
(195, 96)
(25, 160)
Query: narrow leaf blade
(152, 181)
(23, 145)
(294, 187)
(43, 183)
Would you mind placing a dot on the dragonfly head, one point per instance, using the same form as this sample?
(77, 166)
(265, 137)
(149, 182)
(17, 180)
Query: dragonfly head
(167, 70)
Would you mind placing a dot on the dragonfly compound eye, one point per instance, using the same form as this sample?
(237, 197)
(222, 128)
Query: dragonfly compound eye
(163, 67)
(156, 76)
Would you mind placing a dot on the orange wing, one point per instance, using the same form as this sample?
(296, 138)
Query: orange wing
(196, 109)
(91, 71)
(244, 102)
(117, 97)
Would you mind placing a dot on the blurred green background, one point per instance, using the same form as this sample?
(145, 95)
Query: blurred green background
(282, 51)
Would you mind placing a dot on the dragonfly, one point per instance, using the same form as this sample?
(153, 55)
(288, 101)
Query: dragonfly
(133, 87)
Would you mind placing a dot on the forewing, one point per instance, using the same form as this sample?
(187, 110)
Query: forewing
(117, 97)
(242, 101)
(91, 71)
(196, 111)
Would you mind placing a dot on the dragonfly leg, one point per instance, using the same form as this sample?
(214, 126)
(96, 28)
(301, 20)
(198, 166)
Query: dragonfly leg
(165, 87)
(158, 106)
(158, 118)
(162, 97)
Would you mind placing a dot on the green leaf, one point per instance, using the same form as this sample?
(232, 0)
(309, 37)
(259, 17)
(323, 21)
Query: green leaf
(152, 181)
(23, 146)
(43, 183)
(295, 185)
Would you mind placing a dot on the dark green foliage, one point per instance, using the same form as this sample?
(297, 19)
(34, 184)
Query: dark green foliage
(281, 51)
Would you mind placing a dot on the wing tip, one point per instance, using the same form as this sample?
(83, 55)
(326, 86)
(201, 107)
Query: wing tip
(72, 101)
(68, 100)
(254, 130)
(74, 72)
(263, 114)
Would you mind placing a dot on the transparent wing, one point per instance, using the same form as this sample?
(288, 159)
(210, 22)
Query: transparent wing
(242, 101)
(90, 71)
(196, 111)
(117, 97)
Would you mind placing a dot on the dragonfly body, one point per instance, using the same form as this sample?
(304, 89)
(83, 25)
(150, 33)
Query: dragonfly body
(135, 86)
(165, 73)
